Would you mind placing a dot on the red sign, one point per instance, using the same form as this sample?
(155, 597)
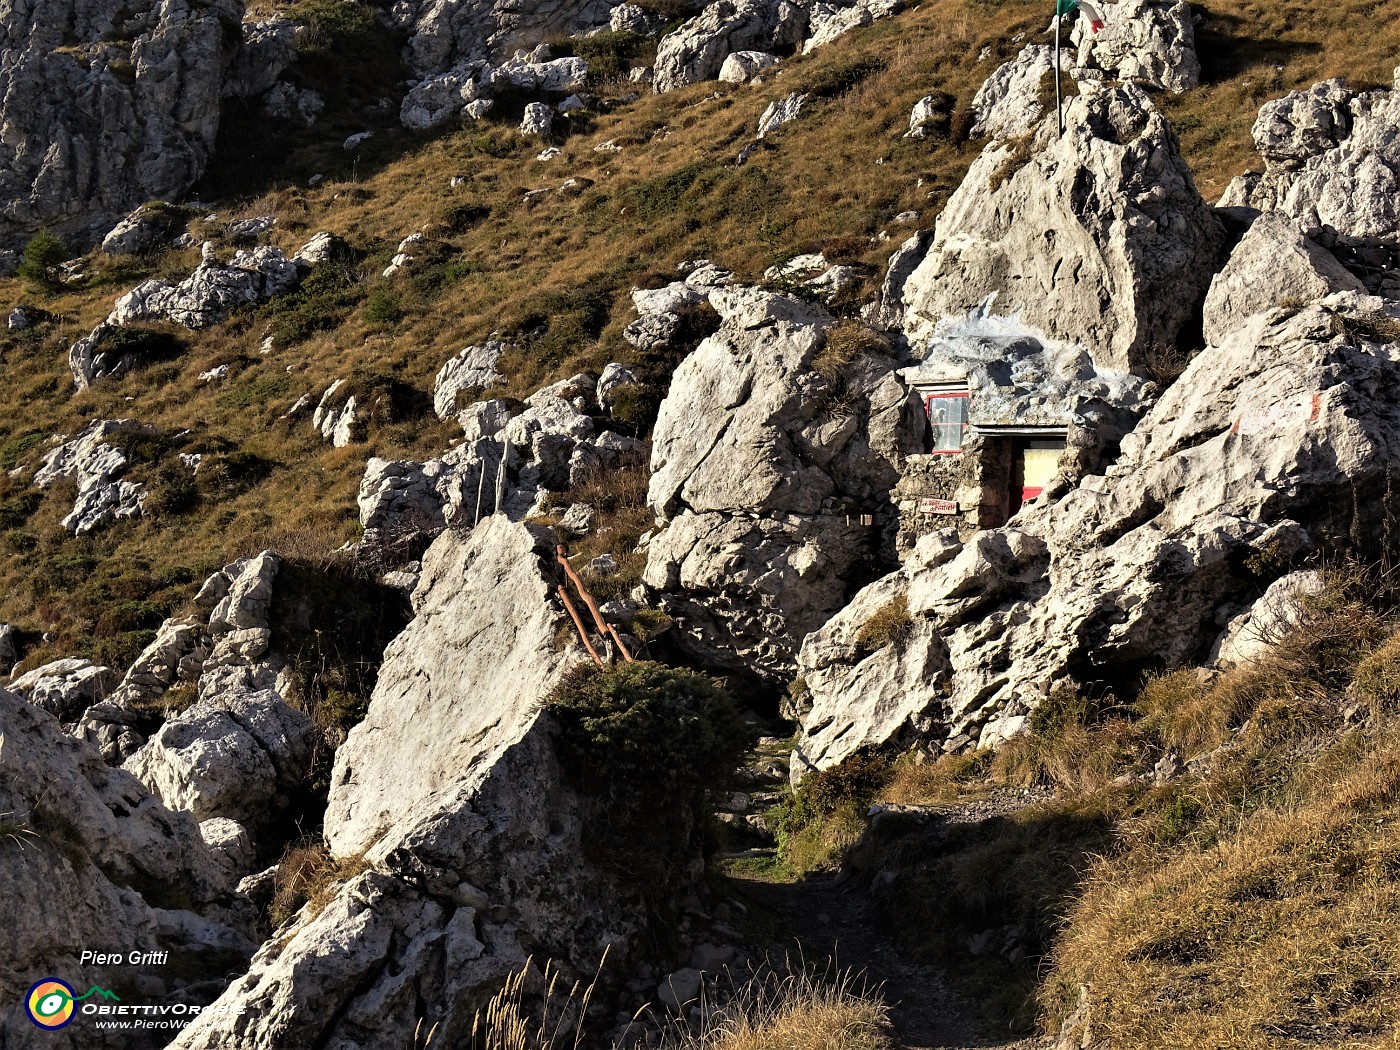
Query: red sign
(937, 506)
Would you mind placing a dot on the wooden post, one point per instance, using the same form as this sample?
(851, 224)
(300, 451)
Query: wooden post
(1059, 109)
(578, 624)
(501, 472)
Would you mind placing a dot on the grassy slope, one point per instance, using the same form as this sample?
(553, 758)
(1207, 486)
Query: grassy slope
(1244, 894)
(552, 271)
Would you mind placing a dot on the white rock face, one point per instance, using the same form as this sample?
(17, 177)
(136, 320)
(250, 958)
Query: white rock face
(93, 832)
(269, 46)
(1273, 264)
(829, 21)
(781, 112)
(98, 122)
(336, 416)
(1256, 631)
(444, 35)
(1280, 437)
(1149, 41)
(1008, 102)
(94, 466)
(473, 367)
(206, 296)
(613, 379)
(1114, 196)
(538, 119)
(1332, 158)
(697, 50)
(451, 792)
(227, 757)
(64, 688)
(740, 67)
(754, 481)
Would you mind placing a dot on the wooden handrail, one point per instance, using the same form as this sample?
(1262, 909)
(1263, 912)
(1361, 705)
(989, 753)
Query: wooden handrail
(606, 629)
(578, 624)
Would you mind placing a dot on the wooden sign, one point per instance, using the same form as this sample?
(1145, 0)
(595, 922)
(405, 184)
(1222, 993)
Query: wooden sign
(928, 505)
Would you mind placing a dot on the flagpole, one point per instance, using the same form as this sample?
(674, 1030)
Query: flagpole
(1059, 109)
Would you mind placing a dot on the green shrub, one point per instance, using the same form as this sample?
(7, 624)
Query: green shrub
(644, 740)
(142, 345)
(383, 307)
(322, 301)
(12, 450)
(609, 54)
(42, 256)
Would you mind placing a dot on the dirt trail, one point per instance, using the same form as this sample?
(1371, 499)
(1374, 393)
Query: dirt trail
(830, 918)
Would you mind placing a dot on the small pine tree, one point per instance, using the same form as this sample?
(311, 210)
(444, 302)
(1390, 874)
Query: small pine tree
(41, 256)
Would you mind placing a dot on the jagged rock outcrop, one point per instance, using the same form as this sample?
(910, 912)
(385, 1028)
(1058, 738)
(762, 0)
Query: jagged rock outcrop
(92, 860)
(145, 229)
(65, 688)
(1098, 237)
(221, 650)
(268, 47)
(758, 463)
(207, 296)
(697, 50)
(549, 445)
(443, 34)
(1277, 442)
(1274, 264)
(472, 368)
(826, 21)
(451, 795)
(1009, 102)
(94, 462)
(780, 112)
(1150, 41)
(1331, 158)
(231, 756)
(337, 416)
(106, 104)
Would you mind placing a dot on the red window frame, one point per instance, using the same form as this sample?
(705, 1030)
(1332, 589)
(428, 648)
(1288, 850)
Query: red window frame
(935, 427)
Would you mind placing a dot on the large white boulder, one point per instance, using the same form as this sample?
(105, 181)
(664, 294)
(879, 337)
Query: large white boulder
(1097, 238)
(450, 796)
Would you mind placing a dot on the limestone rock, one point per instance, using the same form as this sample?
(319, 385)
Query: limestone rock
(536, 71)
(538, 119)
(630, 18)
(1008, 102)
(160, 664)
(1114, 196)
(613, 379)
(1274, 441)
(269, 47)
(106, 104)
(697, 50)
(95, 465)
(88, 835)
(781, 112)
(228, 757)
(65, 688)
(829, 21)
(444, 35)
(288, 102)
(1264, 624)
(1150, 41)
(146, 228)
(437, 99)
(1274, 265)
(451, 793)
(741, 67)
(755, 480)
(336, 416)
(473, 367)
(1332, 158)
(207, 296)
(8, 651)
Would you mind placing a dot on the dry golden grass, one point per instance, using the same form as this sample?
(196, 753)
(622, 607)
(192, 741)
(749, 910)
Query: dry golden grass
(805, 1010)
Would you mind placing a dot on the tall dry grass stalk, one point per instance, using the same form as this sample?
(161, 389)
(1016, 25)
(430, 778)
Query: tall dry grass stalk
(512, 1019)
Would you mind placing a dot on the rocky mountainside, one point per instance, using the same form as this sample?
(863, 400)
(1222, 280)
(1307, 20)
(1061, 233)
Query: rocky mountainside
(428, 428)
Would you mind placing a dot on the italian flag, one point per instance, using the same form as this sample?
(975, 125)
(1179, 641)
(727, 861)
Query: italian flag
(1090, 11)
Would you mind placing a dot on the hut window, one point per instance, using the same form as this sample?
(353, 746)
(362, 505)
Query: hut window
(947, 419)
